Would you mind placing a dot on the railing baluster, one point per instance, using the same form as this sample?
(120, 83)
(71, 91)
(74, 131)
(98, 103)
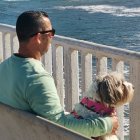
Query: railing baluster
(101, 65)
(15, 44)
(1, 47)
(119, 67)
(47, 60)
(58, 71)
(4, 46)
(86, 71)
(71, 72)
(12, 42)
(135, 104)
(7, 50)
(75, 77)
(67, 79)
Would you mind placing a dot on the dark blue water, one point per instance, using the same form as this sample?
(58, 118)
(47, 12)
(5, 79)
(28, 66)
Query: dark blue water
(109, 22)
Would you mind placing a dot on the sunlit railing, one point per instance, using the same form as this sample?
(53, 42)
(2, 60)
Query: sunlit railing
(74, 63)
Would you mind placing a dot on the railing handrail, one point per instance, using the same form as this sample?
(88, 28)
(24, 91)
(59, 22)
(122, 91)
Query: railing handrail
(82, 43)
(78, 44)
(7, 28)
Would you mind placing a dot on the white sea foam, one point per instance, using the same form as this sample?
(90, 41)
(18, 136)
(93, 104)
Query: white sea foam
(108, 9)
(16, 0)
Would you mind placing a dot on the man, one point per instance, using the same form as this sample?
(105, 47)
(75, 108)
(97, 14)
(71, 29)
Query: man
(24, 83)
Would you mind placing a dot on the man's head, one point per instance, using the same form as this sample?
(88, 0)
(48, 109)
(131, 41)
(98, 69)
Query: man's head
(35, 27)
(28, 23)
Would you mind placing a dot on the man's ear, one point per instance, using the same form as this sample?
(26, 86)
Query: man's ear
(37, 38)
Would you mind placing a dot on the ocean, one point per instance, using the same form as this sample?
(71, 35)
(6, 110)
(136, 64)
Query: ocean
(110, 22)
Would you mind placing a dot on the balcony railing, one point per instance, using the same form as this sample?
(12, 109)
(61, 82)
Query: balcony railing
(74, 64)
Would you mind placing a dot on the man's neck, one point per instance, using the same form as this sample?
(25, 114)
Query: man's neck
(28, 53)
(19, 55)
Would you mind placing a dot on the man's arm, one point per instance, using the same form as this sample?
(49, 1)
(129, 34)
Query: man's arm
(42, 97)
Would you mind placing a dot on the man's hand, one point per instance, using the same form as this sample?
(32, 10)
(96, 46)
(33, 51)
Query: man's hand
(115, 123)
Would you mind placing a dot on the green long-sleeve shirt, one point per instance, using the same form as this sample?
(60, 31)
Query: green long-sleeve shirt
(24, 84)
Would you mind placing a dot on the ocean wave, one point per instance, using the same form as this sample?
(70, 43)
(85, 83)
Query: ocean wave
(16, 0)
(108, 9)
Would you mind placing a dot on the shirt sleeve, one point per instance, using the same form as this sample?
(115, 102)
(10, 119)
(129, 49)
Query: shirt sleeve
(43, 99)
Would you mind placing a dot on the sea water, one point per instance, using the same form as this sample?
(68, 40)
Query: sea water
(110, 22)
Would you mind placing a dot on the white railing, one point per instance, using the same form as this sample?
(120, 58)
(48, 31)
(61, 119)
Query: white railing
(74, 63)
